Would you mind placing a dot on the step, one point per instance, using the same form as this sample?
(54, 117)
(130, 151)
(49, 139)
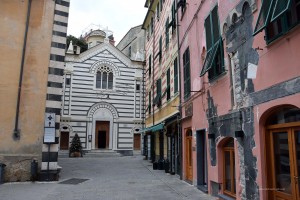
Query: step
(92, 153)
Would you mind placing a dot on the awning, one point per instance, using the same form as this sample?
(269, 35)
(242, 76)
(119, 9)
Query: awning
(154, 128)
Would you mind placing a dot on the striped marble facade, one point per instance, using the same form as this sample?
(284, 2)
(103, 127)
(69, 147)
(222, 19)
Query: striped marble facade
(84, 104)
(55, 78)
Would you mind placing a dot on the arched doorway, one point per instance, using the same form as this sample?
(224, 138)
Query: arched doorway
(189, 155)
(283, 154)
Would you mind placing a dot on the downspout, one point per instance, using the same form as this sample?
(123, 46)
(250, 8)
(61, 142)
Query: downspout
(16, 132)
(180, 95)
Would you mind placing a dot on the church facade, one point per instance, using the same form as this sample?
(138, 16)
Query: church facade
(103, 98)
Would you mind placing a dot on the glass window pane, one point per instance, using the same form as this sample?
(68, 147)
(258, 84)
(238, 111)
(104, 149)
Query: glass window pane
(110, 80)
(98, 80)
(227, 171)
(282, 162)
(104, 80)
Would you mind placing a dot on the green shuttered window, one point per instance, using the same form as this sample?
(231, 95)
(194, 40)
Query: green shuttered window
(214, 61)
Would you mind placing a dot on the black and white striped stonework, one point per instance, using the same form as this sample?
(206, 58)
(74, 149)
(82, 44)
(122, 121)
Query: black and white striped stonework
(55, 77)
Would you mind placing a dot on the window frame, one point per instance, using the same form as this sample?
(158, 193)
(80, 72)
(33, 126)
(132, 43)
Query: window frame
(107, 80)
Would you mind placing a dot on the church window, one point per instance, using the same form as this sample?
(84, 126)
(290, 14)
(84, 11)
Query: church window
(104, 78)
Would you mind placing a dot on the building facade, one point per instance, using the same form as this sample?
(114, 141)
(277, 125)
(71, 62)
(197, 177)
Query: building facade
(103, 98)
(161, 135)
(240, 97)
(33, 48)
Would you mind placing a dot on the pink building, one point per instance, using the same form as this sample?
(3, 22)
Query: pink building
(240, 97)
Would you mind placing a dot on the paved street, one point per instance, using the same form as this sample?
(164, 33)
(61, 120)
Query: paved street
(107, 178)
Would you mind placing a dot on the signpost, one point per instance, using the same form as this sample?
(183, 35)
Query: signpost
(49, 134)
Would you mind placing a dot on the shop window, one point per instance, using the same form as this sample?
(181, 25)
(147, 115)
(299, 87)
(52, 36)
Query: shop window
(277, 17)
(214, 60)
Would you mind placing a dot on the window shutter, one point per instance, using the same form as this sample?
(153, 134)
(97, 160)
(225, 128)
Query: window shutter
(215, 25)
(150, 62)
(167, 32)
(210, 57)
(280, 7)
(187, 80)
(208, 33)
(175, 76)
(263, 16)
(160, 48)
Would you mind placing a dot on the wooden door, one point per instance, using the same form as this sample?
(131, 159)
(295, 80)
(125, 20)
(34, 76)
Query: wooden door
(64, 140)
(285, 162)
(137, 142)
(189, 159)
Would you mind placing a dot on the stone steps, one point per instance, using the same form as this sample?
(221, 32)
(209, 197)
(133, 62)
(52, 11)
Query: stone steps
(96, 153)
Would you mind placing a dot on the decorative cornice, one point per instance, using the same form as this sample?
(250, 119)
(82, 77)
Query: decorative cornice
(106, 105)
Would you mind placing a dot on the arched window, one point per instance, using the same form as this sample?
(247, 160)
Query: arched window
(229, 168)
(104, 78)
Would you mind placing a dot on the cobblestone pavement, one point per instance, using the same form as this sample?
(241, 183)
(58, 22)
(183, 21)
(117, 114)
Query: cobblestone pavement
(109, 178)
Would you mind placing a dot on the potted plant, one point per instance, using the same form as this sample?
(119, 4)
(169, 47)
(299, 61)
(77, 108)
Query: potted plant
(76, 148)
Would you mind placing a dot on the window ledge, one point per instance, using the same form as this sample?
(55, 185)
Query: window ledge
(218, 77)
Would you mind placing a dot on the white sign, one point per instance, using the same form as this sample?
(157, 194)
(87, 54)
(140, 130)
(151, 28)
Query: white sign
(49, 136)
(50, 120)
(252, 69)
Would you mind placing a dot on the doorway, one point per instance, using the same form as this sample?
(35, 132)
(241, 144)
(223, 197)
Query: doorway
(201, 161)
(64, 140)
(283, 154)
(285, 162)
(137, 142)
(102, 135)
(189, 155)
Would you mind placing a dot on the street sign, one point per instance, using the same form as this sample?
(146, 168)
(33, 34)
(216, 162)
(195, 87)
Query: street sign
(49, 136)
(50, 120)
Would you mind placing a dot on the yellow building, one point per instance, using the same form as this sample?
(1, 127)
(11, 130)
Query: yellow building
(32, 49)
(161, 138)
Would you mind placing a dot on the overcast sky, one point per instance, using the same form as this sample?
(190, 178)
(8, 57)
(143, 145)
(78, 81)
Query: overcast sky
(118, 15)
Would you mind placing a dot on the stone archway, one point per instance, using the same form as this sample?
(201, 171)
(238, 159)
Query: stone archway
(102, 126)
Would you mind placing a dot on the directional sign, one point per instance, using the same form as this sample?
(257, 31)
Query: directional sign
(49, 136)
(50, 120)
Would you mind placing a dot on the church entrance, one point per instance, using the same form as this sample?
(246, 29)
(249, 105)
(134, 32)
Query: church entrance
(102, 135)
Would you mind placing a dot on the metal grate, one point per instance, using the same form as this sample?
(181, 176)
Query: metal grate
(74, 181)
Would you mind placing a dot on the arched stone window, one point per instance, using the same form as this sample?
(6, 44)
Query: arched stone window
(104, 78)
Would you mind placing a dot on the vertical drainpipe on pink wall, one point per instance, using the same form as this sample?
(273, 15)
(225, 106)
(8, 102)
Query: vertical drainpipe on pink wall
(16, 132)
(180, 95)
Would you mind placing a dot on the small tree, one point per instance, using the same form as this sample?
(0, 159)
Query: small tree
(75, 145)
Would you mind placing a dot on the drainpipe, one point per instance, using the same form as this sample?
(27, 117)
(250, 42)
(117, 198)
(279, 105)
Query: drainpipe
(180, 95)
(16, 132)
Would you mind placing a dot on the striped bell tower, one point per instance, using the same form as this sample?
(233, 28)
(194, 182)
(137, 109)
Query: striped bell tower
(49, 167)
